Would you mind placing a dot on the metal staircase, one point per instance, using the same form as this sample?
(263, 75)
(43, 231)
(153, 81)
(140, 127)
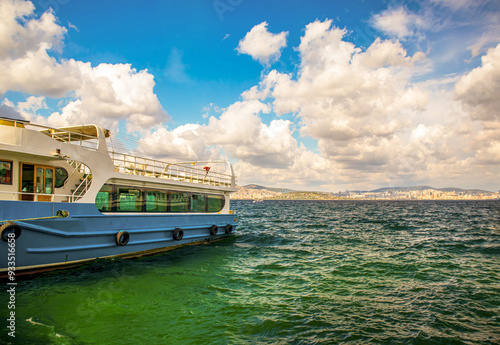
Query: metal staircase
(85, 182)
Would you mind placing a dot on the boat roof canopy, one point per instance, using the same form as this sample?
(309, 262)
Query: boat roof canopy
(74, 133)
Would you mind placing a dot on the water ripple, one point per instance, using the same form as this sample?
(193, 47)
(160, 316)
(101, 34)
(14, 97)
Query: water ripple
(351, 272)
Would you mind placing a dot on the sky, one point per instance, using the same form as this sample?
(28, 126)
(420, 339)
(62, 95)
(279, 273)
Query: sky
(317, 95)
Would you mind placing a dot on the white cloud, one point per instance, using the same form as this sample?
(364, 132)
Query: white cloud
(458, 4)
(351, 101)
(38, 73)
(398, 22)
(32, 104)
(265, 153)
(262, 45)
(373, 124)
(104, 94)
(74, 27)
(479, 90)
(386, 53)
(183, 143)
(20, 33)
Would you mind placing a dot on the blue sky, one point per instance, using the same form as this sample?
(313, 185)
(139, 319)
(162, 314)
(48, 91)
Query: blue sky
(322, 95)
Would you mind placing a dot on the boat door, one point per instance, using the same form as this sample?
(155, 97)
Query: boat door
(36, 180)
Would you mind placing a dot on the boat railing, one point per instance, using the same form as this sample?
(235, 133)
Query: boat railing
(65, 136)
(82, 188)
(59, 134)
(187, 172)
(78, 167)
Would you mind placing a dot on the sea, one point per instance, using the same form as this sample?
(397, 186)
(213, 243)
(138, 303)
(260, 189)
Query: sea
(295, 272)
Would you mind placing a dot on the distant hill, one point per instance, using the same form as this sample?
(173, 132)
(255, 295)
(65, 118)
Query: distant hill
(380, 190)
(259, 187)
(420, 188)
(259, 192)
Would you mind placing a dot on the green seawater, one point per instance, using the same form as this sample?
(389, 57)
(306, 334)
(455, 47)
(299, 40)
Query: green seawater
(296, 272)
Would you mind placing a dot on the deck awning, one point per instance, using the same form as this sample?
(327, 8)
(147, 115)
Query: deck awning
(74, 133)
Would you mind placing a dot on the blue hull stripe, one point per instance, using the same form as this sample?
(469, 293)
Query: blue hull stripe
(107, 233)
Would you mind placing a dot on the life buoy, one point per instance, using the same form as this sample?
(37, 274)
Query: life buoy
(178, 234)
(122, 238)
(213, 230)
(7, 228)
(228, 229)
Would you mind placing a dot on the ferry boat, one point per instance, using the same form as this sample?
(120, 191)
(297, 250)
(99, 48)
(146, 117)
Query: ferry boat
(66, 198)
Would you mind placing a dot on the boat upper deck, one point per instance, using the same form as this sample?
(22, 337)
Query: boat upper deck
(87, 136)
(186, 171)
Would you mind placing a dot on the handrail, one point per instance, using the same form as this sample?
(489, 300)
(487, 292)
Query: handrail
(134, 165)
(59, 134)
(85, 183)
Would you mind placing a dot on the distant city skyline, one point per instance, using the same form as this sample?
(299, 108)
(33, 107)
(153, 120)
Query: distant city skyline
(256, 192)
(318, 95)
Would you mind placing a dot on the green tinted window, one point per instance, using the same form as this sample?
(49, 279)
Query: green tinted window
(104, 200)
(179, 202)
(61, 176)
(129, 200)
(215, 203)
(156, 201)
(49, 181)
(198, 203)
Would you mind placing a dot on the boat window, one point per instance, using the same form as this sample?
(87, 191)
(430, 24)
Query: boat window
(129, 200)
(5, 172)
(215, 203)
(179, 202)
(61, 175)
(36, 179)
(104, 199)
(39, 180)
(27, 178)
(49, 181)
(198, 203)
(113, 198)
(156, 201)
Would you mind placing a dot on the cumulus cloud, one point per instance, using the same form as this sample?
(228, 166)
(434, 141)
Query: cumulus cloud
(262, 45)
(104, 94)
(349, 100)
(244, 136)
(479, 93)
(399, 22)
(240, 132)
(373, 124)
(479, 90)
(20, 33)
(360, 106)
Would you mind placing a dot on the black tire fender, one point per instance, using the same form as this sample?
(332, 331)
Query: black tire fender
(122, 238)
(10, 227)
(178, 234)
(213, 230)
